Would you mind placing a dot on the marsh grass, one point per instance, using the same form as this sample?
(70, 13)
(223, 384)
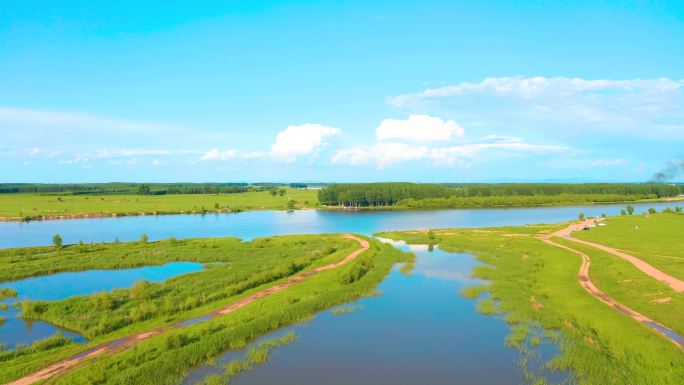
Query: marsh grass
(347, 309)
(598, 345)
(6, 292)
(164, 358)
(487, 306)
(472, 292)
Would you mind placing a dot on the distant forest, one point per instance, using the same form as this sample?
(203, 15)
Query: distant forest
(141, 188)
(488, 195)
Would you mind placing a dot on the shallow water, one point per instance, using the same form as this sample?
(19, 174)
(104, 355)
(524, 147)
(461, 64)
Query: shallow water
(418, 331)
(253, 224)
(60, 286)
(671, 334)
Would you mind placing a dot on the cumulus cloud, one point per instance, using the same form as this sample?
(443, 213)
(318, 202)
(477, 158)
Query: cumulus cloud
(300, 140)
(418, 128)
(554, 105)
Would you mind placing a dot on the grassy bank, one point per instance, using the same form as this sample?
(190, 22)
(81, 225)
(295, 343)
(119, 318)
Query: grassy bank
(35, 206)
(247, 267)
(533, 284)
(645, 237)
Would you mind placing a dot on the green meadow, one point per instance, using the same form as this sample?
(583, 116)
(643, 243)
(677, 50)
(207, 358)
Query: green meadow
(233, 271)
(649, 237)
(532, 284)
(34, 206)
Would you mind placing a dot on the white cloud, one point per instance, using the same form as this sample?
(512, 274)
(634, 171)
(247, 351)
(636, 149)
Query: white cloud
(299, 140)
(69, 135)
(24, 123)
(558, 105)
(609, 162)
(35, 151)
(386, 154)
(125, 156)
(538, 87)
(418, 128)
(215, 154)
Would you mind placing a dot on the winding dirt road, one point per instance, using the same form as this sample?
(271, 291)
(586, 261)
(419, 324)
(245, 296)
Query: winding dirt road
(127, 342)
(676, 284)
(585, 281)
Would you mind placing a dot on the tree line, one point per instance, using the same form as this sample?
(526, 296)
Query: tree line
(486, 195)
(132, 188)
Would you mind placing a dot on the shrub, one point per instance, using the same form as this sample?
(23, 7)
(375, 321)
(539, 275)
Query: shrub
(57, 241)
(141, 290)
(356, 272)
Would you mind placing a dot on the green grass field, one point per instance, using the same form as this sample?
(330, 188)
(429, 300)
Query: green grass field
(534, 284)
(647, 237)
(21, 206)
(246, 268)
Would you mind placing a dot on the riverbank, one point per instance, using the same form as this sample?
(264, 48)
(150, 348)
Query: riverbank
(323, 279)
(33, 207)
(521, 205)
(27, 207)
(534, 284)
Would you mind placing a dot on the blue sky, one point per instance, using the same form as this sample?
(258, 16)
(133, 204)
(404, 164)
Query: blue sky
(340, 91)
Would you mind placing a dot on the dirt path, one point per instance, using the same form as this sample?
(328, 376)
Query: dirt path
(585, 282)
(676, 284)
(127, 342)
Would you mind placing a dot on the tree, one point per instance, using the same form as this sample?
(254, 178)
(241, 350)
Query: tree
(57, 241)
(282, 192)
(291, 204)
(143, 189)
(630, 210)
(581, 216)
(623, 212)
(274, 192)
(651, 210)
(143, 238)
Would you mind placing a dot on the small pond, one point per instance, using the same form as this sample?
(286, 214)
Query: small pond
(60, 286)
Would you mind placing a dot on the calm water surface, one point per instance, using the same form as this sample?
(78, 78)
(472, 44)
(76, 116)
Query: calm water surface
(60, 286)
(418, 331)
(253, 224)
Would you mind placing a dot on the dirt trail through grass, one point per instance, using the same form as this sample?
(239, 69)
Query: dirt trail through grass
(588, 285)
(128, 342)
(676, 284)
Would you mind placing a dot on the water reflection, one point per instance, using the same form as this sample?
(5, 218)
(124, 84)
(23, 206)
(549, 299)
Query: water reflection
(60, 286)
(253, 224)
(418, 331)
